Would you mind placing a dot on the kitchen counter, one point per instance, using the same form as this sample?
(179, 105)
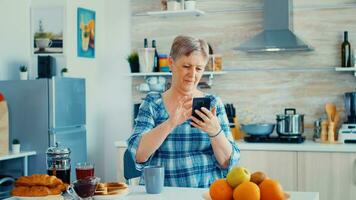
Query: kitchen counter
(308, 145)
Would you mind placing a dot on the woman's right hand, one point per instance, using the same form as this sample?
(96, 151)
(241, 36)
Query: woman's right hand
(182, 112)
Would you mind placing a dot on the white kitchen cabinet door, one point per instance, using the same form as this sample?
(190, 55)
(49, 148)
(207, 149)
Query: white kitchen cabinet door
(333, 175)
(281, 166)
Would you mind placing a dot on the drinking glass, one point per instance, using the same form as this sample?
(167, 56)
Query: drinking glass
(84, 170)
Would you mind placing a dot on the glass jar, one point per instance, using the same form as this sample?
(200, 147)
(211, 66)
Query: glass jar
(163, 63)
(58, 162)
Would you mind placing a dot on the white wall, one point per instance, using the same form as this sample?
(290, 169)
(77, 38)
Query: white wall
(14, 37)
(109, 92)
(116, 86)
(108, 89)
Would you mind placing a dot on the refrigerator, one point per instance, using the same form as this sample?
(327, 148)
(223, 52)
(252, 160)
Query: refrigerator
(44, 112)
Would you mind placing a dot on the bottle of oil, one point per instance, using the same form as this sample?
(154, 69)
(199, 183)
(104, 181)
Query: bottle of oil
(346, 52)
(156, 58)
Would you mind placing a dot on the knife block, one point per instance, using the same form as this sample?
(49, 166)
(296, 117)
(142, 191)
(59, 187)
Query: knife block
(4, 128)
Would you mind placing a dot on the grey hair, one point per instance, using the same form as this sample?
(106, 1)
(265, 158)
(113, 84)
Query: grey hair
(185, 45)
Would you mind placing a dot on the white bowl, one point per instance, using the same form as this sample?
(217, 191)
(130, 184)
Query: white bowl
(157, 87)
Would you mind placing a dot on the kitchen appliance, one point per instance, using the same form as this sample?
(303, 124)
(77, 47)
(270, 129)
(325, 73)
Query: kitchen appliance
(46, 67)
(277, 34)
(274, 139)
(347, 133)
(350, 107)
(44, 112)
(290, 124)
(58, 163)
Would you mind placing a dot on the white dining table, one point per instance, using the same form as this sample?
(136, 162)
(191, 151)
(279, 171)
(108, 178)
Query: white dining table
(179, 193)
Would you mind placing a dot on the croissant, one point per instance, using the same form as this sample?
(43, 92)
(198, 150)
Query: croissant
(34, 191)
(38, 185)
(39, 180)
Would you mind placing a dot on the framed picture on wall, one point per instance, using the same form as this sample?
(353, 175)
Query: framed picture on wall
(47, 25)
(85, 33)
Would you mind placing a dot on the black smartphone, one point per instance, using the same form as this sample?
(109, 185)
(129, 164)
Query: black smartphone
(198, 103)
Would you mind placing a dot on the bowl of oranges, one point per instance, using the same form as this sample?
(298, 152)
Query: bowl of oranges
(240, 184)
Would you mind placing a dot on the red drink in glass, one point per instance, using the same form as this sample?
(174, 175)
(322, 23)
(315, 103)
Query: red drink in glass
(84, 170)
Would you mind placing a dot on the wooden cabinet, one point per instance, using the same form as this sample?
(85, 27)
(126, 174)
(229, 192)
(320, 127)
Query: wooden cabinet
(279, 165)
(333, 175)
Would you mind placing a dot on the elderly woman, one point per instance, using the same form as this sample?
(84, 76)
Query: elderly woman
(193, 156)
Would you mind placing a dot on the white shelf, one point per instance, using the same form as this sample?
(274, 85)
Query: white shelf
(176, 13)
(170, 74)
(345, 69)
(12, 155)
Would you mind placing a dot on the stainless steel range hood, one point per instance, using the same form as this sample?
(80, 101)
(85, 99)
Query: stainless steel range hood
(277, 34)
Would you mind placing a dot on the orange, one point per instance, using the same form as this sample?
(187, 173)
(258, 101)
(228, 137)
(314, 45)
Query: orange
(220, 190)
(247, 191)
(271, 190)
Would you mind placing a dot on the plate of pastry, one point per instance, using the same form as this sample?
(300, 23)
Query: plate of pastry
(111, 190)
(39, 186)
(49, 197)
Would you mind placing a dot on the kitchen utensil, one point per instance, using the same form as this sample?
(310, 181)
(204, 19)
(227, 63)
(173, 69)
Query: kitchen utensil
(324, 131)
(58, 162)
(336, 121)
(290, 124)
(317, 129)
(331, 133)
(330, 111)
(350, 107)
(260, 129)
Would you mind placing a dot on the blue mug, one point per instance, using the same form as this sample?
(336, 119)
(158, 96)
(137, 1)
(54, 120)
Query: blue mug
(154, 179)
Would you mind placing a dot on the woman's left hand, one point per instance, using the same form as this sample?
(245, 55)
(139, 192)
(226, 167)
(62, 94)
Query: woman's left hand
(210, 123)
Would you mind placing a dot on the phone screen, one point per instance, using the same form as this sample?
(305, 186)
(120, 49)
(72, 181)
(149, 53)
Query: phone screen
(198, 103)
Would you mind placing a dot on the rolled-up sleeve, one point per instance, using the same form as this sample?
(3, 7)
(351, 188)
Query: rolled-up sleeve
(144, 122)
(224, 123)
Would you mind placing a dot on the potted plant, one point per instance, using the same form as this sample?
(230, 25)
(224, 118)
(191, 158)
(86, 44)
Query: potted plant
(23, 72)
(64, 72)
(42, 38)
(134, 62)
(15, 146)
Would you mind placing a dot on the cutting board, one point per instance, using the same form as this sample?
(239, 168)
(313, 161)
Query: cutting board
(4, 128)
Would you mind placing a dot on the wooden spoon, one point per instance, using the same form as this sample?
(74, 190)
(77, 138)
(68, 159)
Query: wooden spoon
(330, 111)
(336, 121)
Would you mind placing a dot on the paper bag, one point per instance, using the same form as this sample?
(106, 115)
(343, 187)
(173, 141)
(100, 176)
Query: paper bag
(4, 128)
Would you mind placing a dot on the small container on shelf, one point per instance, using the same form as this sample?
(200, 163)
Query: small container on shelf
(163, 63)
(173, 5)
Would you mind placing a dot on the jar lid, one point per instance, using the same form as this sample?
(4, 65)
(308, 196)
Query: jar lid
(56, 150)
(163, 55)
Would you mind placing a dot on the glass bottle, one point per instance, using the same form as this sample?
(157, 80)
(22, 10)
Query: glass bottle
(346, 52)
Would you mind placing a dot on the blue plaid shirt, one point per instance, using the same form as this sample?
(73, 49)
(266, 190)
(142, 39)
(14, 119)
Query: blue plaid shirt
(186, 154)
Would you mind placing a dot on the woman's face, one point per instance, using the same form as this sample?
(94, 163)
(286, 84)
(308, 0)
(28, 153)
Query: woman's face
(187, 71)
